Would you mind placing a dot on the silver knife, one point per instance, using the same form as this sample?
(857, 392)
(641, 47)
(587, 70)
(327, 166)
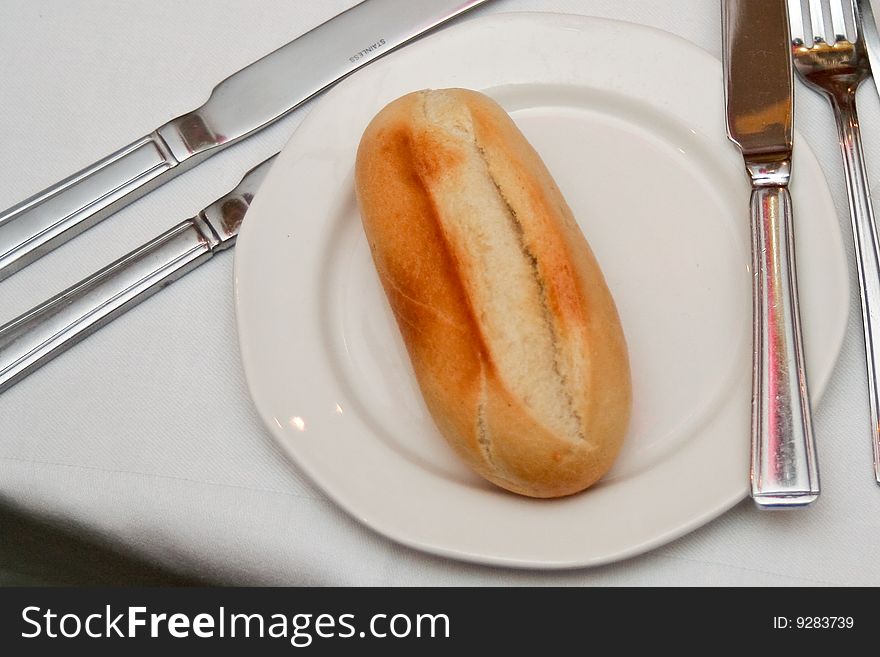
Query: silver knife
(870, 33)
(758, 93)
(37, 336)
(248, 101)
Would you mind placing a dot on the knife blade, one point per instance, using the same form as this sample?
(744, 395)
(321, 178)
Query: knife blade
(244, 103)
(40, 334)
(759, 109)
(865, 20)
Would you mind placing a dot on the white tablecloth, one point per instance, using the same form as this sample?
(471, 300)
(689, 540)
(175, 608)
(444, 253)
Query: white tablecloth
(144, 435)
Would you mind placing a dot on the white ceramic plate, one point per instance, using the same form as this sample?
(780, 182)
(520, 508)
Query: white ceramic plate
(635, 137)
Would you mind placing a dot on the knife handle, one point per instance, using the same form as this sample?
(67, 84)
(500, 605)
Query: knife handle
(784, 472)
(42, 333)
(55, 215)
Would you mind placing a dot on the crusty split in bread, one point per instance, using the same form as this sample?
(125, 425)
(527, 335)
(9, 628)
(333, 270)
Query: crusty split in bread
(512, 332)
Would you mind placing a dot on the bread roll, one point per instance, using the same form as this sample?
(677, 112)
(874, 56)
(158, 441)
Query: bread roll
(510, 327)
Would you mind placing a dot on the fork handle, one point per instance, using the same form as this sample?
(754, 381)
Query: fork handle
(784, 472)
(37, 336)
(867, 247)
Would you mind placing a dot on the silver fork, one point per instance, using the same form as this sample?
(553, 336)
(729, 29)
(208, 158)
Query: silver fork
(837, 69)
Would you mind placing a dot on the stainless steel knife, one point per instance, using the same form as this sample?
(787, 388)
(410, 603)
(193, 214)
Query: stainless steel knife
(42, 333)
(248, 101)
(758, 93)
(871, 36)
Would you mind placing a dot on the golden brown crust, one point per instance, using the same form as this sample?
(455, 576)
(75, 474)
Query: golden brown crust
(406, 165)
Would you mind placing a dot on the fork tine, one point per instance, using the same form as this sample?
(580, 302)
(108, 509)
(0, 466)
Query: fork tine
(838, 22)
(796, 23)
(817, 20)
